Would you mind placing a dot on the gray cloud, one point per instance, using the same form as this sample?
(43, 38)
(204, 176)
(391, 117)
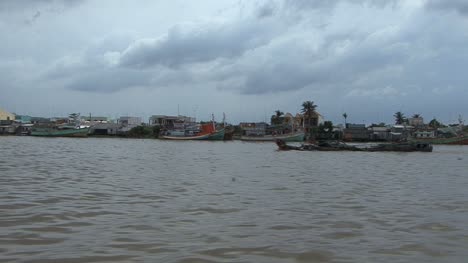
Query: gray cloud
(201, 43)
(321, 5)
(254, 56)
(378, 52)
(21, 5)
(461, 6)
(266, 10)
(108, 80)
(18, 5)
(296, 66)
(33, 18)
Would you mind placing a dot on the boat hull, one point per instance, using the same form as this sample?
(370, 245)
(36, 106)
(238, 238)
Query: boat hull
(449, 141)
(83, 132)
(296, 137)
(186, 138)
(217, 136)
(340, 146)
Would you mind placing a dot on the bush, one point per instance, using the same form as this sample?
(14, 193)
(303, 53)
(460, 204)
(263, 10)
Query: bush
(144, 132)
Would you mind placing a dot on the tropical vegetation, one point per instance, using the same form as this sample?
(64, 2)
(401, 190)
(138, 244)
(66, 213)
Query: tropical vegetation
(400, 118)
(434, 123)
(278, 118)
(308, 109)
(144, 132)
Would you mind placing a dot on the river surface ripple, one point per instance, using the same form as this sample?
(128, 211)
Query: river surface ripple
(119, 200)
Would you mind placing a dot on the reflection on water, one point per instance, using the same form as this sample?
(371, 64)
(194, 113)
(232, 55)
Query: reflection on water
(116, 200)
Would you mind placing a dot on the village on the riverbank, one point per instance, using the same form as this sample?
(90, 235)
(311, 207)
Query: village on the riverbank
(308, 124)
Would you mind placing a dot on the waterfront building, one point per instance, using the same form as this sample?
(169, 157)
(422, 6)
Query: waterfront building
(7, 127)
(416, 122)
(253, 128)
(379, 133)
(127, 123)
(400, 132)
(425, 134)
(94, 119)
(105, 129)
(6, 116)
(315, 120)
(356, 132)
(169, 122)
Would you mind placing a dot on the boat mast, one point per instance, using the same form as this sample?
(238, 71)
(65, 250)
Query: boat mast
(460, 123)
(224, 119)
(213, 121)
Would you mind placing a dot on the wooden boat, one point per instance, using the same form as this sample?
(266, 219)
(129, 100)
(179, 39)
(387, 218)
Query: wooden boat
(340, 146)
(290, 137)
(401, 147)
(60, 132)
(459, 140)
(182, 138)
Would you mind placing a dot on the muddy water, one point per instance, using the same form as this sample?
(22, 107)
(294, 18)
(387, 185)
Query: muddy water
(117, 200)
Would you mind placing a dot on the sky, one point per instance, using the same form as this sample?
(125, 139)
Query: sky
(246, 58)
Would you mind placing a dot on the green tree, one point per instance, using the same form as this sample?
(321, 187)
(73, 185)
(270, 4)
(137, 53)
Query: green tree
(434, 123)
(325, 130)
(144, 132)
(276, 119)
(399, 118)
(417, 115)
(345, 116)
(308, 109)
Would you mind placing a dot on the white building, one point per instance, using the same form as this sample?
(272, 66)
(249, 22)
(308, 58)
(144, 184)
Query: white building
(6, 116)
(127, 123)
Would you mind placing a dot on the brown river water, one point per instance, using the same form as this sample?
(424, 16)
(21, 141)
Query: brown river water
(123, 200)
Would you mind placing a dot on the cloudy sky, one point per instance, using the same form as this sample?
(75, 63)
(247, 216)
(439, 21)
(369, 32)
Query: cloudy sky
(368, 58)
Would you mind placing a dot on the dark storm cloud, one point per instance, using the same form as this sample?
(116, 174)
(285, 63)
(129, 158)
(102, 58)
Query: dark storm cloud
(201, 43)
(289, 64)
(262, 54)
(461, 6)
(296, 66)
(108, 80)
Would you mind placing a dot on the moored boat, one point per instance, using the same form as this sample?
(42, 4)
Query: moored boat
(290, 137)
(340, 146)
(207, 132)
(60, 132)
(217, 135)
(458, 140)
(72, 128)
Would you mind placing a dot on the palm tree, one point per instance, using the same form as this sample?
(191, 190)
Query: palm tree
(308, 109)
(417, 115)
(345, 116)
(399, 117)
(278, 113)
(276, 119)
